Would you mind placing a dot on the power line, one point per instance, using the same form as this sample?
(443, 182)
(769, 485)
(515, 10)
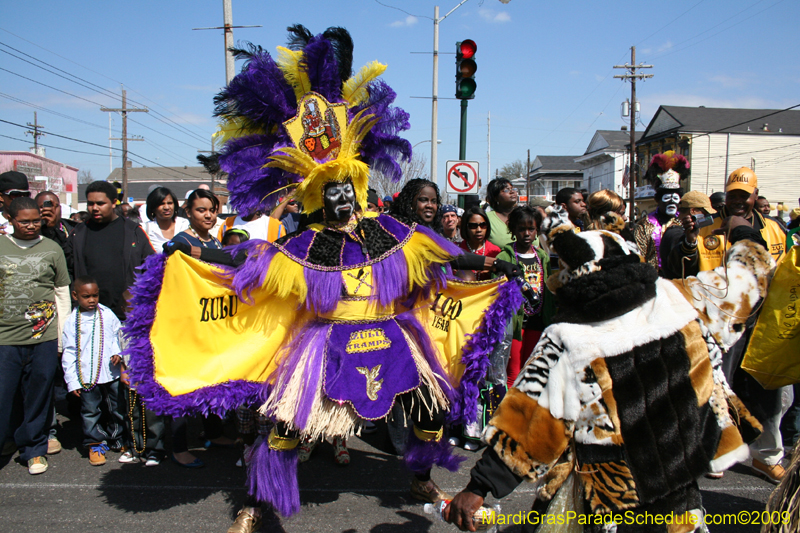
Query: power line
(40, 108)
(89, 69)
(101, 146)
(51, 87)
(96, 88)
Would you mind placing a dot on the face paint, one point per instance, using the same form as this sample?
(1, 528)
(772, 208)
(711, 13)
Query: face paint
(671, 198)
(339, 201)
(672, 210)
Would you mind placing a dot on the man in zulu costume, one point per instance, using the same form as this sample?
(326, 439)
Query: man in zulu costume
(623, 404)
(665, 174)
(334, 323)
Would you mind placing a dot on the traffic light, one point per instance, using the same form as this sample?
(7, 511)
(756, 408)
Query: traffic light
(465, 69)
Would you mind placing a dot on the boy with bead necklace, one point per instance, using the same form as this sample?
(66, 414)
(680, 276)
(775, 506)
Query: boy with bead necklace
(91, 368)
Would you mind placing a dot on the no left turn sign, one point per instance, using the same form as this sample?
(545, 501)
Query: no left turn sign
(462, 177)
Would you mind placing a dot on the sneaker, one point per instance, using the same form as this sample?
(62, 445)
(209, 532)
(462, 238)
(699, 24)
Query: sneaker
(245, 522)
(97, 454)
(53, 445)
(454, 441)
(340, 453)
(772, 473)
(715, 475)
(472, 445)
(428, 491)
(37, 465)
(128, 457)
(153, 460)
(305, 449)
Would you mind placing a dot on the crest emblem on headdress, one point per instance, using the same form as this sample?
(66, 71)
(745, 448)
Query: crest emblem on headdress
(317, 128)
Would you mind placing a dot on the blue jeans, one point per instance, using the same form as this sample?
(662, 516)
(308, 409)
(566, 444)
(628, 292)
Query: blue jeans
(31, 370)
(102, 402)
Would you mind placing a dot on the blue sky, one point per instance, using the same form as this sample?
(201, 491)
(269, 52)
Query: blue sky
(544, 68)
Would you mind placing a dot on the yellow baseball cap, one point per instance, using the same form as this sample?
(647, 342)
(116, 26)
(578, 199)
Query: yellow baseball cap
(742, 178)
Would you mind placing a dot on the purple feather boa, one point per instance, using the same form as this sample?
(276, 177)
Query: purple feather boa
(324, 290)
(420, 456)
(391, 278)
(272, 478)
(216, 399)
(479, 347)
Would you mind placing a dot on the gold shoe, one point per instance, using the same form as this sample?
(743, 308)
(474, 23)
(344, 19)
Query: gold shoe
(245, 523)
(428, 491)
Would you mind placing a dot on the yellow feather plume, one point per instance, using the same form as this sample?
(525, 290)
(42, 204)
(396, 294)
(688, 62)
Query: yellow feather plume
(419, 252)
(354, 90)
(285, 278)
(233, 129)
(290, 63)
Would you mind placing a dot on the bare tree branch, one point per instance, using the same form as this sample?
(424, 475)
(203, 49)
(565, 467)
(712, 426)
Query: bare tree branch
(416, 167)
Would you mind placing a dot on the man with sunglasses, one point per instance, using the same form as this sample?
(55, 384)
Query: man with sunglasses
(13, 184)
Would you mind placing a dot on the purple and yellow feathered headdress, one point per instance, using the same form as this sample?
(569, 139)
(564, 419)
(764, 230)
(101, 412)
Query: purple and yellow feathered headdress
(302, 120)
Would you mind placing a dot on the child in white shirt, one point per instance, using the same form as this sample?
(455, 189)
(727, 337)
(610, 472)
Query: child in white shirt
(90, 342)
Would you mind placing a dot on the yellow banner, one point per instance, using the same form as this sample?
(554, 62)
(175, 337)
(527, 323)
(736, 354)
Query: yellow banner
(203, 335)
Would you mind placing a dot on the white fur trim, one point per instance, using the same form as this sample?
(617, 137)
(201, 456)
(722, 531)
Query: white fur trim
(724, 462)
(656, 319)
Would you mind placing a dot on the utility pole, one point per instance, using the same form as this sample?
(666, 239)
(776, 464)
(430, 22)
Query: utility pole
(35, 133)
(227, 19)
(124, 110)
(435, 95)
(489, 144)
(212, 152)
(632, 75)
(528, 178)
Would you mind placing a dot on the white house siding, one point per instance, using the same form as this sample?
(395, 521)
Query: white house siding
(777, 163)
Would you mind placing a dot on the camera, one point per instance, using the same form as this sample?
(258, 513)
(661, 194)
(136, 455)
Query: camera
(702, 221)
(47, 203)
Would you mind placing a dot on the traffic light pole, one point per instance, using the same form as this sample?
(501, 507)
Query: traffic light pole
(462, 145)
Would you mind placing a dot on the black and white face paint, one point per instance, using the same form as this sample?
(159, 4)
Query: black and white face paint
(339, 200)
(669, 203)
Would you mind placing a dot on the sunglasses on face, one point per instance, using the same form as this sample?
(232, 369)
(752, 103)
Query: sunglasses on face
(510, 190)
(476, 225)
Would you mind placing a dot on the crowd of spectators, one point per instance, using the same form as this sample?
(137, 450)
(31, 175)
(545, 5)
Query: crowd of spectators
(50, 344)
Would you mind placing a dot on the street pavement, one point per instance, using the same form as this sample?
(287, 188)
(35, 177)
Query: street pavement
(369, 495)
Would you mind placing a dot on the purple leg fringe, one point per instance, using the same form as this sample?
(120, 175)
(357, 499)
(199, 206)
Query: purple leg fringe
(421, 456)
(272, 478)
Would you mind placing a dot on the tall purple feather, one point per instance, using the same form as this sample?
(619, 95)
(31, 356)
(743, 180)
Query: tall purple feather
(259, 92)
(322, 69)
(272, 478)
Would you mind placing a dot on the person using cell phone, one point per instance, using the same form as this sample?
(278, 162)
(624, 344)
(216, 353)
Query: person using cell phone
(53, 226)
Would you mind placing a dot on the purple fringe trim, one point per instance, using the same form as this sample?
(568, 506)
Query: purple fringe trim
(421, 456)
(478, 348)
(216, 399)
(272, 478)
(312, 338)
(412, 326)
(252, 273)
(324, 290)
(391, 278)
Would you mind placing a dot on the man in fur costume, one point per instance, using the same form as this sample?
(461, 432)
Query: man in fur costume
(623, 398)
